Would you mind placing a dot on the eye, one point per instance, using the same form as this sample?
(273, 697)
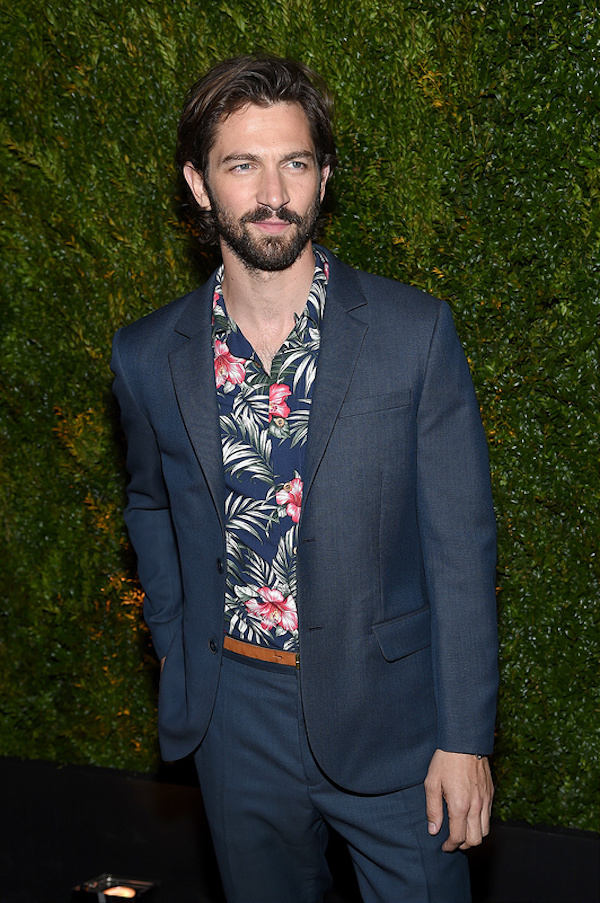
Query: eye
(297, 164)
(241, 167)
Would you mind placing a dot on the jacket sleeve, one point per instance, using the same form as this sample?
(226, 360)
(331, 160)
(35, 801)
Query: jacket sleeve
(457, 526)
(148, 514)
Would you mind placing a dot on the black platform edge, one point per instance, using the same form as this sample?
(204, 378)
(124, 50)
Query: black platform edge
(62, 824)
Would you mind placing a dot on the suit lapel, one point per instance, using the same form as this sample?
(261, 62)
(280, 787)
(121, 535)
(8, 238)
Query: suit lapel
(192, 371)
(342, 336)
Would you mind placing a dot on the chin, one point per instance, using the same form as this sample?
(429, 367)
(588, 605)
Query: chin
(270, 255)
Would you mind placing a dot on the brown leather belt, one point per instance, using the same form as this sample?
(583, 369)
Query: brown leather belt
(277, 656)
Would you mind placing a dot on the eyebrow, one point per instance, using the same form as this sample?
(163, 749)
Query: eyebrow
(254, 158)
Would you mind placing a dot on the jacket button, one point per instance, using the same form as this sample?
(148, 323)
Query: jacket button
(212, 646)
(220, 567)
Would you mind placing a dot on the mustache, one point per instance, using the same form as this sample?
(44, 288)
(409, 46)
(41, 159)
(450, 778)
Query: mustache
(263, 213)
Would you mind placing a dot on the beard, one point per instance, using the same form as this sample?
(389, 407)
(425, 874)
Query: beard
(269, 252)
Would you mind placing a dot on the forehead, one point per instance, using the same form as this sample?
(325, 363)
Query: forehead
(263, 129)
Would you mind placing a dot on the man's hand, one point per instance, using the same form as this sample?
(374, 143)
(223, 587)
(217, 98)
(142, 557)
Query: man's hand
(465, 782)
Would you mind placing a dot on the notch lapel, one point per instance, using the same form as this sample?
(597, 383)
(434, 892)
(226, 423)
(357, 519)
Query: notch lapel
(192, 371)
(342, 336)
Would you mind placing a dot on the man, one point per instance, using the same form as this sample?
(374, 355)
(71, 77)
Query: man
(310, 506)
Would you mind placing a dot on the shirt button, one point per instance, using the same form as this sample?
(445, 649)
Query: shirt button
(212, 646)
(220, 567)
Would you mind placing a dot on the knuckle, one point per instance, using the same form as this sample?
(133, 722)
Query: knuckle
(460, 807)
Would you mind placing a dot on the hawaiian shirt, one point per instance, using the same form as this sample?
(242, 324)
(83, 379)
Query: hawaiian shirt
(264, 428)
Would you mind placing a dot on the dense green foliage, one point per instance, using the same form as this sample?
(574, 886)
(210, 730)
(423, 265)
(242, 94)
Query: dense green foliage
(468, 140)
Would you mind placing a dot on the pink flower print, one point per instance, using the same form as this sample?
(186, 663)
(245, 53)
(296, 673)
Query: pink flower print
(274, 610)
(216, 299)
(278, 392)
(291, 496)
(230, 371)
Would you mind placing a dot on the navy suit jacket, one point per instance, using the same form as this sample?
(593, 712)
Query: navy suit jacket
(396, 546)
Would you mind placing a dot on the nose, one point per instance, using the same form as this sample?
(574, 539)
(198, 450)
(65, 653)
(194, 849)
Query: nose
(272, 191)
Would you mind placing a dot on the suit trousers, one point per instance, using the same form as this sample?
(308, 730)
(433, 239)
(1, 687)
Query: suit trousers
(269, 804)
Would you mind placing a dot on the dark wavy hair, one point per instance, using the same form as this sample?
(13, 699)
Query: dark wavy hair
(231, 85)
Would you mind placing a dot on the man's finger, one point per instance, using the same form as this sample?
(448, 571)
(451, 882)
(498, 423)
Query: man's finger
(474, 834)
(457, 820)
(485, 819)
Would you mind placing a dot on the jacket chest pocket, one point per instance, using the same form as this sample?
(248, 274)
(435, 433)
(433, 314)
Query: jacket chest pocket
(375, 404)
(374, 432)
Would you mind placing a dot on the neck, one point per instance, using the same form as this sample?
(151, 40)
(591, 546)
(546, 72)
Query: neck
(263, 304)
(257, 295)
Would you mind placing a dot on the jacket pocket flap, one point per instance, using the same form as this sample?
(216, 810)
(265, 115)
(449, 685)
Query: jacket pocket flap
(404, 635)
(370, 404)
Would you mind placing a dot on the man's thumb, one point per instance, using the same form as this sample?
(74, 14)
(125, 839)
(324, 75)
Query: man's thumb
(435, 813)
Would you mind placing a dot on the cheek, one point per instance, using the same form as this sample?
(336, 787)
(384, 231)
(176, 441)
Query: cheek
(240, 200)
(308, 198)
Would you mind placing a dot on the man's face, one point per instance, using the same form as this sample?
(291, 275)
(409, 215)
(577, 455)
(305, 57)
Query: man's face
(263, 185)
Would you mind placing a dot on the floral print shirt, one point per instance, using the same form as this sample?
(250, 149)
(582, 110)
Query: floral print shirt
(264, 427)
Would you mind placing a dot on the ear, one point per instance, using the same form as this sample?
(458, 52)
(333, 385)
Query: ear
(195, 182)
(325, 173)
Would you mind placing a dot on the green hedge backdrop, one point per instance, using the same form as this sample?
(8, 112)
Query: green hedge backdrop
(468, 139)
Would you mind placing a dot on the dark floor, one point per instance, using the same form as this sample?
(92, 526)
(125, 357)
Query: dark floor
(64, 825)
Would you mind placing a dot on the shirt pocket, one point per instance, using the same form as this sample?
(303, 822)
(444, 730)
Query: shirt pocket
(371, 404)
(404, 635)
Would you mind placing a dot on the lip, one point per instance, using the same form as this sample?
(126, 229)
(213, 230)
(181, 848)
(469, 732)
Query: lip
(272, 226)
